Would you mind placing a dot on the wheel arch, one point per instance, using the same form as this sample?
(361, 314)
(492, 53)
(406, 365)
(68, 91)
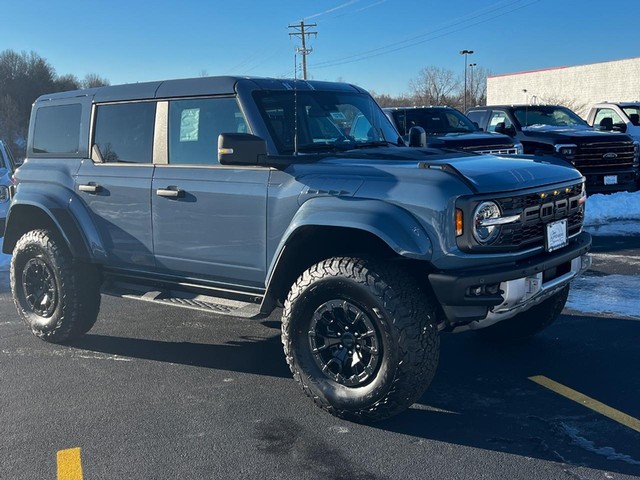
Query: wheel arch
(35, 211)
(358, 228)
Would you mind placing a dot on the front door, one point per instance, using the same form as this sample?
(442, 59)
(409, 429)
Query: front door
(209, 220)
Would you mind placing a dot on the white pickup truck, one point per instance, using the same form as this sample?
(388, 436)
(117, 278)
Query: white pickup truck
(622, 117)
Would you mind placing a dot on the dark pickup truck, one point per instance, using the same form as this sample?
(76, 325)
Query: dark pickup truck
(237, 196)
(608, 160)
(446, 127)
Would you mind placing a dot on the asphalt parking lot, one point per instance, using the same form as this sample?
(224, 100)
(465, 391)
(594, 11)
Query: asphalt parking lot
(157, 392)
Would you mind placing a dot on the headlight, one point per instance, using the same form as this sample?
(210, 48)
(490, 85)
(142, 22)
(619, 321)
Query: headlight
(566, 150)
(519, 148)
(483, 231)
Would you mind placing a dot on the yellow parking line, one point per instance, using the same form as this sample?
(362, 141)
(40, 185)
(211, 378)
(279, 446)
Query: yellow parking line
(596, 406)
(69, 464)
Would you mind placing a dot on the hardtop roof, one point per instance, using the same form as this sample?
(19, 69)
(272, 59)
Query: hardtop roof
(188, 87)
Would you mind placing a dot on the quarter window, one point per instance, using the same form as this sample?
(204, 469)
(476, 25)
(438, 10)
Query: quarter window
(194, 127)
(57, 129)
(124, 132)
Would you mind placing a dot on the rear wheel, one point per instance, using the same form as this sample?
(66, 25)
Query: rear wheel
(57, 298)
(528, 323)
(360, 337)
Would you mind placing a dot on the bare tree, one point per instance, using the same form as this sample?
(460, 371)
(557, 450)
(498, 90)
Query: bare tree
(92, 80)
(435, 86)
(477, 88)
(385, 100)
(67, 82)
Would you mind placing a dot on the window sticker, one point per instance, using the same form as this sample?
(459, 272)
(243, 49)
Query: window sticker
(189, 122)
(338, 116)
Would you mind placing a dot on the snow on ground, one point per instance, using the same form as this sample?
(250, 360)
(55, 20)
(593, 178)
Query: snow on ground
(615, 295)
(613, 214)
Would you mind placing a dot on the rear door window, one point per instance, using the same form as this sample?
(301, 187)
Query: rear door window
(124, 132)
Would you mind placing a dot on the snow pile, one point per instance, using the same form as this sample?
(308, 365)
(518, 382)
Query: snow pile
(602, 209)
(4, 259)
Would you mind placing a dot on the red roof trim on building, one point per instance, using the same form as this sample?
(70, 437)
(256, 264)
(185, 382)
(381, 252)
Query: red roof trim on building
(528, 71)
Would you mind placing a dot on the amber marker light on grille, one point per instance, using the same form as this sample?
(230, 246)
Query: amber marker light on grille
(458, 222)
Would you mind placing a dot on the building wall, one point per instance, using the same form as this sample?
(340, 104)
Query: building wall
(576, 87)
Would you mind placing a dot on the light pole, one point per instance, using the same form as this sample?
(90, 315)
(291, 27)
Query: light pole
(473, 93)
(465, 53)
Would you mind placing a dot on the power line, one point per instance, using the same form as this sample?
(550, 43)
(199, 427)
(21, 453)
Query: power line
(402, 44)
(304, 51)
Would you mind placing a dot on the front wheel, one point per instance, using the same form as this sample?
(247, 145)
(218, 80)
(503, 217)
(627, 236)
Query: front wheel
(360, 338)
(57, 298)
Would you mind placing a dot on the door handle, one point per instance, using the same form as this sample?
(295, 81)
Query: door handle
(170, 192)
(90, 187)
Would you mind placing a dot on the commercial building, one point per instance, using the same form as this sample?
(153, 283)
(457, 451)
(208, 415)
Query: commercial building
(576, 87)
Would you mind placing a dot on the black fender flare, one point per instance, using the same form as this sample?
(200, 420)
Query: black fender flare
(57, 208)
(393, 225)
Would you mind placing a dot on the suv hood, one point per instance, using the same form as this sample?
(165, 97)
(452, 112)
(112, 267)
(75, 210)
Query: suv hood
(489, 173)
(481, 173)
(572, 135)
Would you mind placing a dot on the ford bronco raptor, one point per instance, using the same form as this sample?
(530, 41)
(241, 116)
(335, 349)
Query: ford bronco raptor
(241, 195)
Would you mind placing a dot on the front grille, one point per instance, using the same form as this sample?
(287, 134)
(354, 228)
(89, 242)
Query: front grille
(505, 149)
(592, 155)
(536, 210)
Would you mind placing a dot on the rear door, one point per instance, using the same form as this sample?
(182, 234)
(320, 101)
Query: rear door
(209, 220)
(116, 185)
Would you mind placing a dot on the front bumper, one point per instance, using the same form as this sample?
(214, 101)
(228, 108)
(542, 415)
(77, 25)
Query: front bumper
(472, 299)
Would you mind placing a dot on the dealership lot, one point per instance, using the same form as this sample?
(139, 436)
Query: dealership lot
(154, 392)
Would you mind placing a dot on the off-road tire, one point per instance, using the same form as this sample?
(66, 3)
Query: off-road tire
(70, 305)
(403, 317)
(528, 323)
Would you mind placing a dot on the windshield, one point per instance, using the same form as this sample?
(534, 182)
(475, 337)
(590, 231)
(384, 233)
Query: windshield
(536, 115)
(325, 121)
(435, 121)
(633, 112)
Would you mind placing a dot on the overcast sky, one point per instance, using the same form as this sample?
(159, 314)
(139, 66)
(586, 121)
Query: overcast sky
(378, 44)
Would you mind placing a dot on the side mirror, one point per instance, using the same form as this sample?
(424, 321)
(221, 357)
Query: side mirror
(241, 149)
(417, 137)
(510, 130)
(500, 128)
(475, 124)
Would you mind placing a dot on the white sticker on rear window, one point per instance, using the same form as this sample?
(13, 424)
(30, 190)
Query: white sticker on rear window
(189, 122)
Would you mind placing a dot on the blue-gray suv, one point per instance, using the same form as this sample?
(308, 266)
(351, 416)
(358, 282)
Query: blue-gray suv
(241, 195)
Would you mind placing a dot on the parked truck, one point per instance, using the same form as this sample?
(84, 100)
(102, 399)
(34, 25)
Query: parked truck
(446, 127)
(238, 196)
(608, 160)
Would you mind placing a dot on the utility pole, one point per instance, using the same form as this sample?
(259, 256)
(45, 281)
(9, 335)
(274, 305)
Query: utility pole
(304, 51)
